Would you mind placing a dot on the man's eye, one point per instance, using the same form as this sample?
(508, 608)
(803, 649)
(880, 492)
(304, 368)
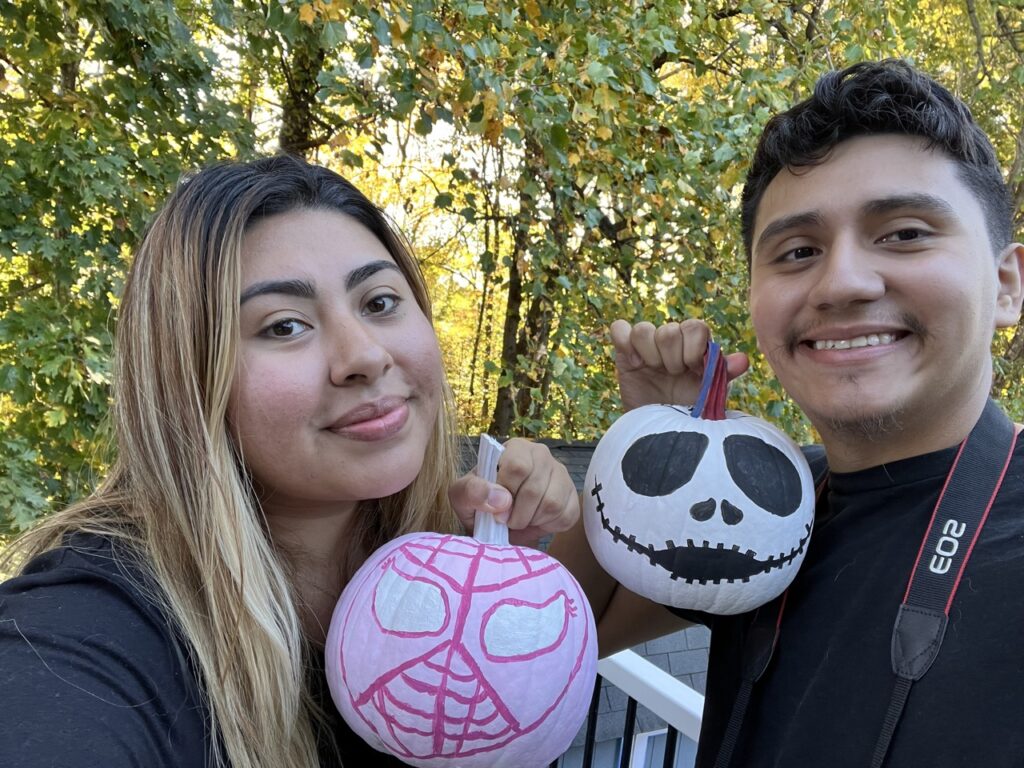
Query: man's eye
(798, 254)
(902, 236)
(284, 329)
(383, 305)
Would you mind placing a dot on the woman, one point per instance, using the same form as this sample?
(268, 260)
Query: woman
(281, 411)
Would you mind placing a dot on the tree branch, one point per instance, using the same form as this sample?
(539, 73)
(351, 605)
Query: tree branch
(979, 48)
(1009, 34)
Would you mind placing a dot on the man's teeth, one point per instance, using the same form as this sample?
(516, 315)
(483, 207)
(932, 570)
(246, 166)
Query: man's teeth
(871, 340)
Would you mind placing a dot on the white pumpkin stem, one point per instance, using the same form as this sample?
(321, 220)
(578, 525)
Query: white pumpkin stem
(485, 528)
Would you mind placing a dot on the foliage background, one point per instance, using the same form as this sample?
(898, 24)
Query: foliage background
(557, 164)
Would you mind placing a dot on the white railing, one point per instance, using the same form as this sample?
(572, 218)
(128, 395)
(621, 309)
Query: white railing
(672, 700)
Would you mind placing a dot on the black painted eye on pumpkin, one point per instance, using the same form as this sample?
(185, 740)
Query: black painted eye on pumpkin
(764, 473)
(657, 465)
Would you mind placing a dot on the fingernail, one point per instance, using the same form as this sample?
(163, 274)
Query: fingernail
(499, 498)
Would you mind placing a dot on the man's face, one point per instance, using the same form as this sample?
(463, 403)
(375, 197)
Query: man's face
(875, 292)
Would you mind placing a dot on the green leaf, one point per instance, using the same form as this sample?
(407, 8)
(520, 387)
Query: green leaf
(599, 73)
(559, 137)
(333, 34)
(56, 417)
(423, 124)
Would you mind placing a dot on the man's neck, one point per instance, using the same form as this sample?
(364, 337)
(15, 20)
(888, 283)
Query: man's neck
(852, 451)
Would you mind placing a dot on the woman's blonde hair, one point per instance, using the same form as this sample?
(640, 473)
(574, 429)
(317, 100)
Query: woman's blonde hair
(178, 493)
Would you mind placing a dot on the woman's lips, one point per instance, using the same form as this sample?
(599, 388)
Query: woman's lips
(375, 421)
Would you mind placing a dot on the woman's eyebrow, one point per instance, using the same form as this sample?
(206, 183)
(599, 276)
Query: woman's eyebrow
(303, 289)
(366, 271)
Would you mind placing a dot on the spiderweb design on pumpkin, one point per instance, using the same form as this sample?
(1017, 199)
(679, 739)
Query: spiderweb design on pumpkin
(443, 696)
(701, 561)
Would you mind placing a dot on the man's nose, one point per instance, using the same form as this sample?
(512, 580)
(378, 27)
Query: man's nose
(848, 274)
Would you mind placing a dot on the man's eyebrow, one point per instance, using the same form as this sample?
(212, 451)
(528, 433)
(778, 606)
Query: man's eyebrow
(359, 274)
(786, 223)
(303, 289)
(920, 201)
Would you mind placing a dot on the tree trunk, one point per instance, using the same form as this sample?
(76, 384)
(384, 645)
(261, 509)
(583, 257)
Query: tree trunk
(305, 60)
(504, 402)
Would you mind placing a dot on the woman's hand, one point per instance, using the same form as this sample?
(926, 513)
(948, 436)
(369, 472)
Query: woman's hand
(534, 494)
(664, 364)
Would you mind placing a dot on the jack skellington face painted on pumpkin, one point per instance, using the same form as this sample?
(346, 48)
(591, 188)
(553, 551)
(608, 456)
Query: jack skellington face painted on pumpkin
(711, 515)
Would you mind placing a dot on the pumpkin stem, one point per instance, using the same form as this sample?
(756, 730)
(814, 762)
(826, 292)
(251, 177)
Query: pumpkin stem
(714, 386)
(485, 528)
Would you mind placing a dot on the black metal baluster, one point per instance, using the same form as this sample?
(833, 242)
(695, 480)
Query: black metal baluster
(626, 757)
(671, 738)
(588, 745)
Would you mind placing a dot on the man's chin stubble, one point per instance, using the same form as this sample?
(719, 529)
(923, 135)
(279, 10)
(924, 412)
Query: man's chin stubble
(871, 428)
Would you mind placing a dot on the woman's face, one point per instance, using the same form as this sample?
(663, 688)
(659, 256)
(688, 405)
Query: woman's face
(339, 374)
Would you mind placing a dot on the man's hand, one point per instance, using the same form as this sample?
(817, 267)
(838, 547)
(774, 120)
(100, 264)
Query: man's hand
(664, 364)
(534, 494)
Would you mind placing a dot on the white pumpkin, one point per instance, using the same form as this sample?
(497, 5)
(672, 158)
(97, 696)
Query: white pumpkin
(706, 514)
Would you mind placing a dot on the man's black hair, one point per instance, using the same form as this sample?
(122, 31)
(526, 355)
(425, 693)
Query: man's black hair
(885, 97)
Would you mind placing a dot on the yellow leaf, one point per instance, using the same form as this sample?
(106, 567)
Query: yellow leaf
(307, 14)
(583, 113)
(604, 133)
(493, 132)
(401, 23)
(605, 99)
(532, 9)
(490, 101)
(574, 158)
(730, 176)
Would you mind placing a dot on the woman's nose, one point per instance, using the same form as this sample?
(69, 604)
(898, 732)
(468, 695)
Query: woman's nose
(356, 353)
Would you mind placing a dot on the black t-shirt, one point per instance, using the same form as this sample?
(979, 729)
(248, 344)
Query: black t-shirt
(824, 696)
(92, 674)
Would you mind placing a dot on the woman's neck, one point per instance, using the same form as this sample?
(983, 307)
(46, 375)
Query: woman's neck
(317, 548)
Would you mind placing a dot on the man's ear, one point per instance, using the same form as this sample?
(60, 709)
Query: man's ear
(1010, 268)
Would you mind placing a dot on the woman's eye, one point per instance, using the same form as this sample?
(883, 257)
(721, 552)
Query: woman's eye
(383, 305)
(285, 329)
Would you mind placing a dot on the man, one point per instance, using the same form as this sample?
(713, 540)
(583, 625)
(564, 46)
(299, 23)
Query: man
(878, 232)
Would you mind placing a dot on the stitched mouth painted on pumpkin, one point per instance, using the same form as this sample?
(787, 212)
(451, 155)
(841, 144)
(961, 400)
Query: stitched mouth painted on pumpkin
(701, 562)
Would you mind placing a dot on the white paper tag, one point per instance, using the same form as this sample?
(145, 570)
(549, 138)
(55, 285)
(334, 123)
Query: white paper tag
(485, 527)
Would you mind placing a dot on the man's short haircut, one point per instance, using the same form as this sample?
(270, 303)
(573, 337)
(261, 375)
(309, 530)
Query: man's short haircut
(885, 97)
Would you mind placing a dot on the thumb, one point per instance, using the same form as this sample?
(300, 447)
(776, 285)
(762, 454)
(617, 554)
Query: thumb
(471, 493)
(736, 364)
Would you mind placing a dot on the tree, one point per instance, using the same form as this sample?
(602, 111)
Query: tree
(101, 107)
(557, 164)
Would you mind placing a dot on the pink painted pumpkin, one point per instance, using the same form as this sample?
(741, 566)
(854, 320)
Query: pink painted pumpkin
(448, 651)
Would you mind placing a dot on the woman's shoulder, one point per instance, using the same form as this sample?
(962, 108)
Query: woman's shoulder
(86, 652)
(88, 570)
